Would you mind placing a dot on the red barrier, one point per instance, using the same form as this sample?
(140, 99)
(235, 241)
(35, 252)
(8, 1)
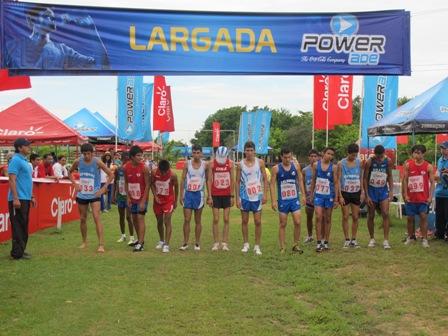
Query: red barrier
(49, 196)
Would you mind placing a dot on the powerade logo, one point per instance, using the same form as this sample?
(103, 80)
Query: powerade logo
(130, 105)
(361, 49)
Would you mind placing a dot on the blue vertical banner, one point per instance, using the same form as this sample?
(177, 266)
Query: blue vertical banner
(263, 127)
(146, 112)
(130, 101)
(247, 130)
(380, 98)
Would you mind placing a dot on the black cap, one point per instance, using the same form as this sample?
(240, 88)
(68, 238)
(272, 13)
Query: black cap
(21, 142)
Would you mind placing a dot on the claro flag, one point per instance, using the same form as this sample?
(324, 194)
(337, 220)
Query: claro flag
(163, 118)
(95, 40)
(130, 101)
(216, 126)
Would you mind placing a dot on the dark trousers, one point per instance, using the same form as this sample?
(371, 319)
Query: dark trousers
(441, 216)
(19, 225)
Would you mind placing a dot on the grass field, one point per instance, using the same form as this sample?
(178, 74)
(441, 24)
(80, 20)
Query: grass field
(67, 291)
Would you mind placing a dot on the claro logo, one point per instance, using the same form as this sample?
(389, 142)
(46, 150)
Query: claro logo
(66, 205)
(29, 132)
(4, 222)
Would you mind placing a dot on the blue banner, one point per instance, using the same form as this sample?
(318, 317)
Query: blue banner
(380, 98)
(67, 40)
(247, 130)
(146, 112)
(263, 127)
(130, 101)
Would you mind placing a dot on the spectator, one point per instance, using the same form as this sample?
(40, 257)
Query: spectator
(35, 161)
(442, 192)
(45, 168)
(59, 169)
(4, 168)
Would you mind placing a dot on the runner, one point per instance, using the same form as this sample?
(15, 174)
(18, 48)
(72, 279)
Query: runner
(120, 198)
(377, 177)
(418, 188)
(137, 180)
(307, 174)
(220, 186)
(192, 184)
(287, 175)
(165, 188)
(89, 191)
(251, 188)
(350, 173)
(324, 193)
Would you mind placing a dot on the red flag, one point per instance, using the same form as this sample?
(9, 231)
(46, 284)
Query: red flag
(13, 83)
(441, 138)
(340, 100)
(216, 134)
(402, 139)
(320, 106)
(163, 118)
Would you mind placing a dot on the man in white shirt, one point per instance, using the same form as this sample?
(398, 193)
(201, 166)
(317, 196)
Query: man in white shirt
(59, 167)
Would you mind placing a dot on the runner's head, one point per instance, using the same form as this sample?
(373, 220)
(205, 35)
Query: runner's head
(48, 159)
(313, 156)
(196, 152)
(379, 151)
(328, 154)
(352, 151)
(164, 166)
(136, 154)
(124, 157)
(249, 150)
(221, 154)
(286, 155)
(418, 152)
(87, 151)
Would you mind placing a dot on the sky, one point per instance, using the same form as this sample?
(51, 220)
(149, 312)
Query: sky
(196, 97)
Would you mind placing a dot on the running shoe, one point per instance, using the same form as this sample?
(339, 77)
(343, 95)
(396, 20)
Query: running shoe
(215, 247)
(245, 248)
(372, 243)
(165, 249)
(386, 245)
(184, 247)
(257, 250)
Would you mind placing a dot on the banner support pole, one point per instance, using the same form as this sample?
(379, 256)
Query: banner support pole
(328, 112)
(116, 120)
(360, 113)
(312, 121)
(435, 149)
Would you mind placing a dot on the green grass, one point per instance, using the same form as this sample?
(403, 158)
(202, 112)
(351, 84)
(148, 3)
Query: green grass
(67, 291)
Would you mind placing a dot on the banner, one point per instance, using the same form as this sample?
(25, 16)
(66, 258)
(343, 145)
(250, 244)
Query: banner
(95, 40)
(130, 101)
(320, 102)
(13, 83)
(380, 98)
(262, 131)
(247, 129)
(216, 126)
(340, 100)
(146, 112)
(163, 118)
(441, 138)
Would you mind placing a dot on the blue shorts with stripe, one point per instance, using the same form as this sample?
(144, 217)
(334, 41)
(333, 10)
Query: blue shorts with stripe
(250, 206)
(322, 202)
(288, 206)
(193, 200)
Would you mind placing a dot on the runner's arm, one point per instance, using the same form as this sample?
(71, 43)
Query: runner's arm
(404, 182)
(182, 180)
(365, 181)
(390, 179)
(232, 178)
(147, 175)
(209, 179)
(313, 181)
(272, 184)
(432, 184)
(73, 169)
(176, 188)
(337, 191)
(300, 181)
(237, 184)
(265, 177)
(339, 170)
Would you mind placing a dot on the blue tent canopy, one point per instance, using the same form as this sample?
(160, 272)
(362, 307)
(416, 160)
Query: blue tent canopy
(426, 113)
(104, 120)
(86, 123)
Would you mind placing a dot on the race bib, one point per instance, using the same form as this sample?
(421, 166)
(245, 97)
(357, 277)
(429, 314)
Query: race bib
(322, 186)
(352, 186)
(378, 179)
(194, 184)
(87, 185)
(253, 189)
(121, 189)
(163, 188)
(288, 191)
(415, 184)
(134, 190)
(221, 180)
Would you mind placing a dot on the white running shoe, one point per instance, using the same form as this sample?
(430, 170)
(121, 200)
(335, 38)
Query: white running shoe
(386, 245)
(131, 241)
(122, 238)
(372, 243)
(197, 247)
(354, 243)
(245, 248)
(257, 250)
(308, 240)
(184, 247)
(215, 247)
(425, 243)
(166, 248)
(160, 244)
(346, 244)
(408, 241)
(225, 247)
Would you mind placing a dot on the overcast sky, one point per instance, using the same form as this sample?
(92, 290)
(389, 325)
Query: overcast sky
(194, 98)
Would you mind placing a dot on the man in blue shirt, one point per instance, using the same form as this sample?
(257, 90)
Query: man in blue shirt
(442, 192)
(20, 197)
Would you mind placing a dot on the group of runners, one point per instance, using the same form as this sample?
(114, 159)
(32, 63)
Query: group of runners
(320, 187)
